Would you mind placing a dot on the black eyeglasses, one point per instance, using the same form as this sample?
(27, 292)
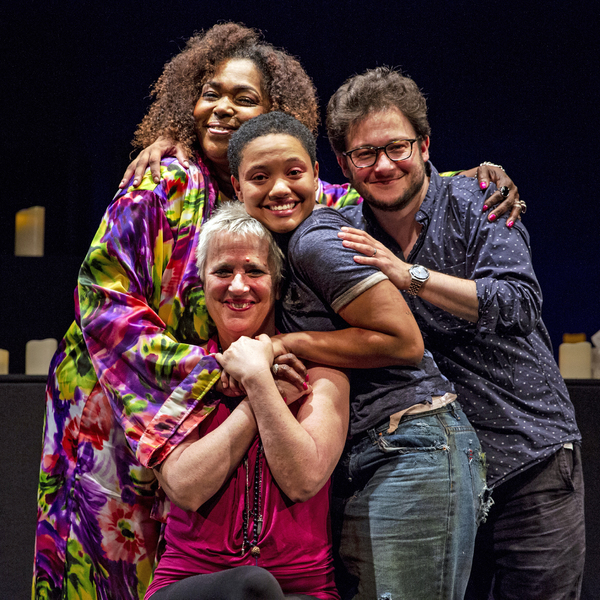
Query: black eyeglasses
(366, 156)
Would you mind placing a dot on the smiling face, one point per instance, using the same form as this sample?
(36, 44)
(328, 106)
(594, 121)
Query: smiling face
(238, 287)
(387, 185)
(277, 182)
(234, 94)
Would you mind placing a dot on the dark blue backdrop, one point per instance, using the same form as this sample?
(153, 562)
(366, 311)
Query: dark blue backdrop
(516, 83)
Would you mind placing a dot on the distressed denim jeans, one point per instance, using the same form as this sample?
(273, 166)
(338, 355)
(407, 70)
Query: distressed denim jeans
(411, 502)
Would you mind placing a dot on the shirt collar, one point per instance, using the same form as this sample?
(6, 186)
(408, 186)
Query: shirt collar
(423, 215)
(435, 184)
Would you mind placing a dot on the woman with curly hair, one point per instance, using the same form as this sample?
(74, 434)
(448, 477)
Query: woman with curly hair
(130, 380)
(283, 86)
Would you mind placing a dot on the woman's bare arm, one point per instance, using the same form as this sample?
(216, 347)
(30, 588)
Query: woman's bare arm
(301, 451)
(383, 332)
(198, 467)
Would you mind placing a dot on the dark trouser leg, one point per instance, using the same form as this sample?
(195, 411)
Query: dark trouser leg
(532, 546)
(249, 583)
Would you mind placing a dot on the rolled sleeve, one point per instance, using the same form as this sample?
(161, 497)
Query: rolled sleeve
(509, 295)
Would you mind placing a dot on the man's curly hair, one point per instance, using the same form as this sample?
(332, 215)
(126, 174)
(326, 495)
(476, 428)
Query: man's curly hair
(178, 89)
(374, 90)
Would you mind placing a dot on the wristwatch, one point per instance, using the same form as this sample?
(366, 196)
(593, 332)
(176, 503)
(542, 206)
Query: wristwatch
(419, 275)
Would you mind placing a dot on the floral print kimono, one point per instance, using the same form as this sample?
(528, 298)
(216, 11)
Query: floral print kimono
(126, 385)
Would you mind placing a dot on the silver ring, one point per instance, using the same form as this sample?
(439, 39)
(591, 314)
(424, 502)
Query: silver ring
(504, 191)
(275, 369)
(523, 207)
(374, 251)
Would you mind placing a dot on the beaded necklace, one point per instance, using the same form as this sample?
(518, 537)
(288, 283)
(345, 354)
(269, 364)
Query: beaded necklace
(256, 512)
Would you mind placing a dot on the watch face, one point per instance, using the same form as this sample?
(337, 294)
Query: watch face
(419, 272)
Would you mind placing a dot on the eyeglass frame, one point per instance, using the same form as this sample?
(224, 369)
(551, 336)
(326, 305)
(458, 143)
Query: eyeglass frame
(378, 149)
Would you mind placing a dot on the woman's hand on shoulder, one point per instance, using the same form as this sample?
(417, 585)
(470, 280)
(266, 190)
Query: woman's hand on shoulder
(151, 156)
(505, 198)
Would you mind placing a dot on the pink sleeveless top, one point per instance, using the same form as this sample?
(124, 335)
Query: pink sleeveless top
(295, 540)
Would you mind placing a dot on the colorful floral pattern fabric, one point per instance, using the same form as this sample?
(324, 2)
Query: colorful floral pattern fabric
(140, 320)
(336, 195)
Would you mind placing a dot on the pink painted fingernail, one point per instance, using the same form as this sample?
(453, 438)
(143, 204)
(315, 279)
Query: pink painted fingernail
(305, 385)
(485, 207)
(492, 217)
(510, 223)
(483, 185)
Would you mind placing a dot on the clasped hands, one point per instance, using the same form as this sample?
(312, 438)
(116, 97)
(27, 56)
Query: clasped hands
(247, 358)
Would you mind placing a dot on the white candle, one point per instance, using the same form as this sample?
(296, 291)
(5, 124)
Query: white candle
(38, 354)
(596, 363)
(575, 360)
(3, 362)
(29, 231)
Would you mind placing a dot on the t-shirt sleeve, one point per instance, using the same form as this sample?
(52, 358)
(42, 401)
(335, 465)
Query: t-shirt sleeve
(326, 266)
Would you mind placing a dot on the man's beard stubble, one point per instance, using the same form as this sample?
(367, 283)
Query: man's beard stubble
(405, 199)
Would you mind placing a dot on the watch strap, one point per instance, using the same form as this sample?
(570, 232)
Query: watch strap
(414, 287)
(417, 281)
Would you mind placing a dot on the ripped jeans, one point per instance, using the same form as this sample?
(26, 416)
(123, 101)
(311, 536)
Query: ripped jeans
(410, 503)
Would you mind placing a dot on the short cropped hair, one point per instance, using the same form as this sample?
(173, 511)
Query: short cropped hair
(374, 90)
(288, 87)
(267, 124)
(231, 217)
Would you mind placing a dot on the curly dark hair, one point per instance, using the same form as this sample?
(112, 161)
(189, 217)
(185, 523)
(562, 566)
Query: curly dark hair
(374, 90)
(178, 89)
(273, 122)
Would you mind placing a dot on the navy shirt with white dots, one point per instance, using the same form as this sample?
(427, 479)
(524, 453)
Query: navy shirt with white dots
(502, 366)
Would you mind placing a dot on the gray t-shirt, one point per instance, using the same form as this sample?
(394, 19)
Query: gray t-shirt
(322, 278)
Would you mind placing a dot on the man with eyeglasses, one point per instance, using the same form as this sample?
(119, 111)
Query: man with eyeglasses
(473, 291)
